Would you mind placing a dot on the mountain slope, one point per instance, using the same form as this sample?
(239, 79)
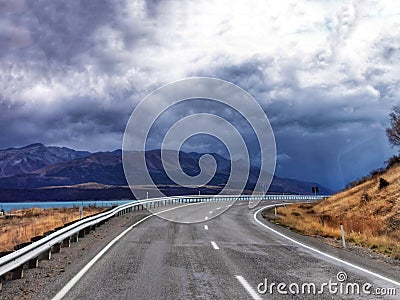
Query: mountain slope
(43, 166)
(370, 213)
(15, 161)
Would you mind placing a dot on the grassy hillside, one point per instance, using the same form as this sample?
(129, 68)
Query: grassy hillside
(370, 214)
(21, 225)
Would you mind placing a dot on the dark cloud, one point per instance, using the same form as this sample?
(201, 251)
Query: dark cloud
(75, 123)
(71, 72)
(63, 29)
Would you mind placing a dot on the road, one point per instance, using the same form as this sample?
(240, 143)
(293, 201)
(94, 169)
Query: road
(225, 257)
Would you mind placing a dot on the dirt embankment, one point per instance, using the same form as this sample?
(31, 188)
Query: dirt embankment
(370, 213)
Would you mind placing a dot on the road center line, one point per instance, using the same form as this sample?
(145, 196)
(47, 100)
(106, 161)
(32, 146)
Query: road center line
(215, 246)
(248, 287)
(318, 251)
(86, 268)
(206, 227)
(210, 212)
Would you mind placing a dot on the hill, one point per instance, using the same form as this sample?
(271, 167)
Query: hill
(14, 161)
(370, 213)
(37, 172)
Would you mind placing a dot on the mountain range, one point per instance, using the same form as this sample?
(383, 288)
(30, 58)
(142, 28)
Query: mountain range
(39, 172)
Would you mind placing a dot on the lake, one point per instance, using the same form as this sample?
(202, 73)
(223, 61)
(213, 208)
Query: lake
(20, 205)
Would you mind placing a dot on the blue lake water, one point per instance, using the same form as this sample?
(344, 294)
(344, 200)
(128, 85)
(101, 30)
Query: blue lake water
(20, 205)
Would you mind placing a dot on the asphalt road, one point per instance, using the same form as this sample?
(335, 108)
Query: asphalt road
(225, 257)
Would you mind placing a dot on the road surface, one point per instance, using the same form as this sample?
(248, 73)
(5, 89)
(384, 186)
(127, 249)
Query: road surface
(226, 257)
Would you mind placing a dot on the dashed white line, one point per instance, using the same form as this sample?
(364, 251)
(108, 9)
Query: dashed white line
(248, 288)
(215, 246)
(82, 272)
(210, 212)
(206, 218)
(206, 227)
(218, 208)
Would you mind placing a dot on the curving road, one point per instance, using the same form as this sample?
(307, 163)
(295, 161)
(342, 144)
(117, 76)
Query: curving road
(225, 257)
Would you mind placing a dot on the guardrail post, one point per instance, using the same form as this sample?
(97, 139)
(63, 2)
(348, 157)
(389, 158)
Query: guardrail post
(48, 232)
(56, 248)
(75, 237)
(17, 273)
(66, 243)
(33, 263)
(81, 233)
(4, 253)
(36, 238)
(20, 246)
(342, 231)
(46, 255)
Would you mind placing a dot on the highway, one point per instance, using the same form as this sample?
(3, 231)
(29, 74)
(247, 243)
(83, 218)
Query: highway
(226, 257)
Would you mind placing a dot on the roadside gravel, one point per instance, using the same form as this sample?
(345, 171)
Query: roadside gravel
(51, 275)
(361, 251)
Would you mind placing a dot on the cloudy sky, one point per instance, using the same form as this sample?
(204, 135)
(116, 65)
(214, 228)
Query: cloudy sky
(325, 72)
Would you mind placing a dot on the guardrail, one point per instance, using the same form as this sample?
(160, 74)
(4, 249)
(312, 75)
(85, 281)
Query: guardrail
(12, 265)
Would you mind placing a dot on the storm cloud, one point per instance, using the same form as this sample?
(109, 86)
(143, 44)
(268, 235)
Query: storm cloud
(325, 72)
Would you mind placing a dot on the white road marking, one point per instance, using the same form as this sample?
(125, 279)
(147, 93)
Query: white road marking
(215, 246)
(218, 208)
(248, 288)
(206, 218)
(318, 251)
(210, 212)
(206, 227)
(82, 272)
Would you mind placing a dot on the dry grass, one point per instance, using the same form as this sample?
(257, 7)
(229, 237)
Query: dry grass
(28, 223)
(370, 216)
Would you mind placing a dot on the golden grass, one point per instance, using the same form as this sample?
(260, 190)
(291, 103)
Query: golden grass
(28, 223)
(370, 216)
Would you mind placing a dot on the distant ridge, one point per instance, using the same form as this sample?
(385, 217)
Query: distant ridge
(16, 161)
(37, 166)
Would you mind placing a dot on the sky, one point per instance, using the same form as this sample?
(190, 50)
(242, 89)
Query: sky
(326, 73)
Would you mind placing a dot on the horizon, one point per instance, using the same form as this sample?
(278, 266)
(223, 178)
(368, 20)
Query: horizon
(227, 158)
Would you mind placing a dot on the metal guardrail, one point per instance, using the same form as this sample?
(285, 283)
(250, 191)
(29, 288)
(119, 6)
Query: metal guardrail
(32, 252)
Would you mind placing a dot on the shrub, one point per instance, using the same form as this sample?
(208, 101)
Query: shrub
(393, 161)
(365, 198)
(377, 172)
(383, 183)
